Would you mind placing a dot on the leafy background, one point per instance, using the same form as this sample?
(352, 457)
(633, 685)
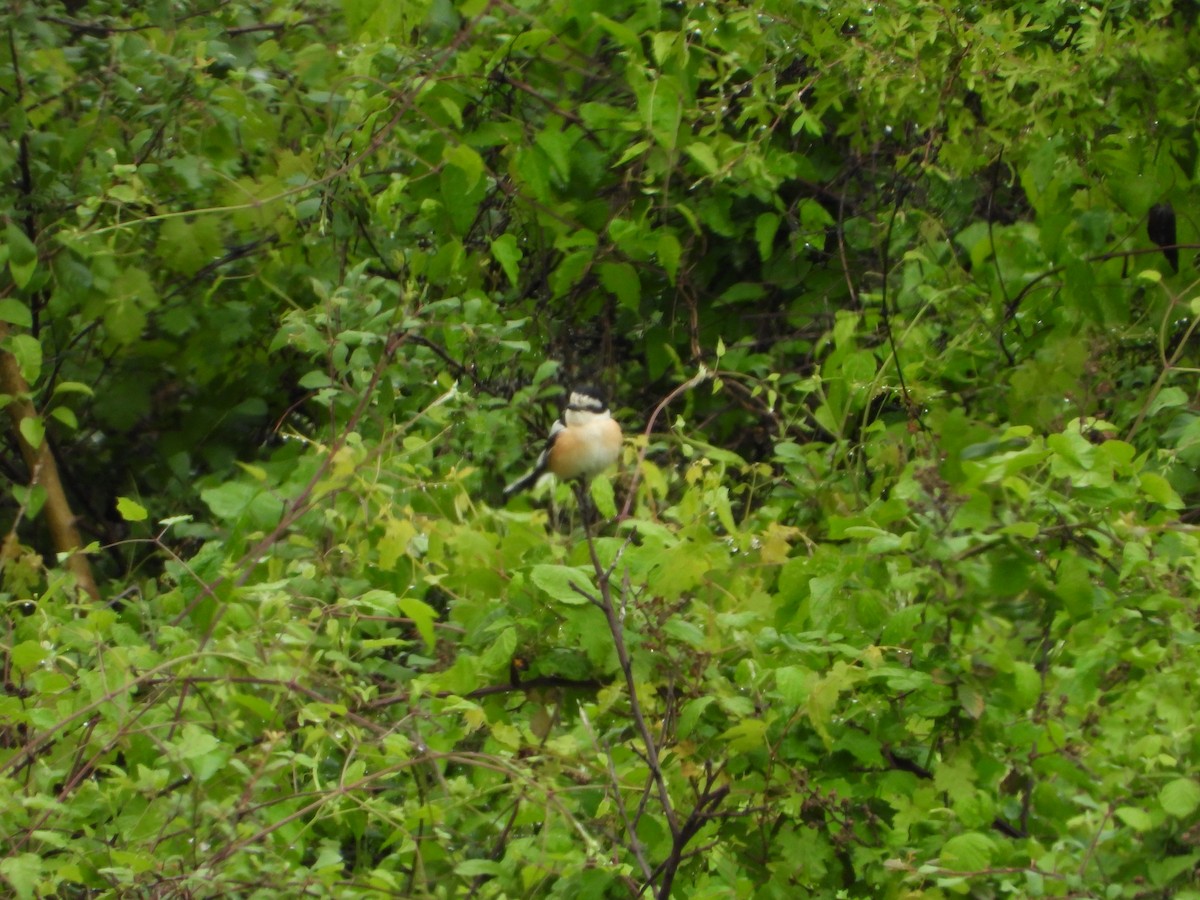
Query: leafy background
(894, 595)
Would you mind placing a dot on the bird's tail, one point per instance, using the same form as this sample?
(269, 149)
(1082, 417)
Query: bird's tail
(525, 481)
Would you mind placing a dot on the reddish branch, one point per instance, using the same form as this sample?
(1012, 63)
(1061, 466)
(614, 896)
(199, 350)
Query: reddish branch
(712, 794)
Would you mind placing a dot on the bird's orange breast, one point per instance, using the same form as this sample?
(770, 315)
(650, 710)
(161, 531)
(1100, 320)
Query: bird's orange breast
(584, 450)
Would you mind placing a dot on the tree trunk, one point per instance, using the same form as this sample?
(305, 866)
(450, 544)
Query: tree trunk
(44, 471)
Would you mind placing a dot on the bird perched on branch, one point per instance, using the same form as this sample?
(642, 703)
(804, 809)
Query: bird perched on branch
(584, 441)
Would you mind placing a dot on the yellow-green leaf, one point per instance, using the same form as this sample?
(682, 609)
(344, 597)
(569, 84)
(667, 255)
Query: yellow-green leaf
(669, 251)
(1180, 798)
(33, 429)
(423, 616)
(563, 583)
(130, 510)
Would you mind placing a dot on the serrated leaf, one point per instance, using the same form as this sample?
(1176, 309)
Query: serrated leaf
(601, 492)
(621, 280)
(746, 735)
(195, 742)
(23, 872)
(967, 852)
(186, 244)
(791, 683)
(568, 272)
(560, 583)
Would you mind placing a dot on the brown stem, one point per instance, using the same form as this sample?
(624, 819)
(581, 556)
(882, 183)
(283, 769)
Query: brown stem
(43, 471)
(712, 794)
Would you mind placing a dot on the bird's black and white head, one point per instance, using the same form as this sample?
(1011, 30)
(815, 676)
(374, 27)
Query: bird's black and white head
(584, 405)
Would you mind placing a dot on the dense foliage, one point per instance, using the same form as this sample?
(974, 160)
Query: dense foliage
(893, 596)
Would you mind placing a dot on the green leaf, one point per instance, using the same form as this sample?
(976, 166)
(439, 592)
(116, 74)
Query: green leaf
(28, 655)
(423, 616)
(690, 715)
(625, 36)
(791, 683)
(669, 252)
(33, 498)
(22, 254)
(1073, 585)
(1159, 490)
(765, 227)
(187, 244)
(468, 161)
(1168, 398)
(557, 147)
(684, 631)
(73, 387)
(23, 872)
(569, 271)
(969, 852)
(635, 150)
(195, 742)
(27, 351)
(500, 649)
(66, 416)
(1180, 797)
(621, 280)
(1136, 818)
(15, 312)
(130, 510)
(703, 154)
(561, 583)
(33, 429)
(601, 491)
(660, 103)
(746, 735)
(475, 868)
(506, 252)
(237, 501)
